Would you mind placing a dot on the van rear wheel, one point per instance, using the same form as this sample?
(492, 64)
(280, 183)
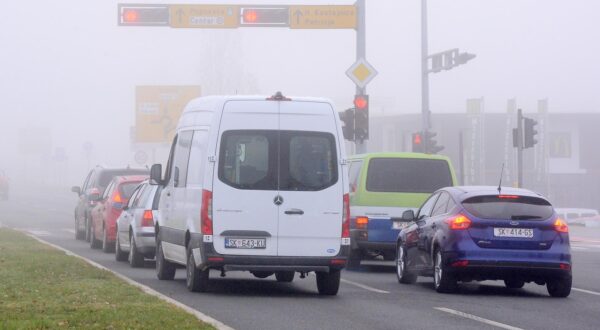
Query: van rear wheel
(165, 270)
(328, 284)
(197, 280)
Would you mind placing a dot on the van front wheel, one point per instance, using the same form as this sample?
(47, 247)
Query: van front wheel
(328, 284)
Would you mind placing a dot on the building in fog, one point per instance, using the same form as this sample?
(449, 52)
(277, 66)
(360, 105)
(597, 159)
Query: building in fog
(564, 165)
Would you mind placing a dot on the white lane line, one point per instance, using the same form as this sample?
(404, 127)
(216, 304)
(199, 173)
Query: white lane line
(586, 291)
(201, 316)
(39, 233)
(72, 231)
(362, 286)
(476, 318)
(579, 248)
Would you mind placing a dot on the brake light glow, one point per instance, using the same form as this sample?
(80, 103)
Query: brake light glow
(338, 261)
(565, 266)
(362, 222)
(561, 226)
(148, 219)
(346, 217)
(460, 263)
(508, 196)
(459, 222)
(117, 198)
(206, 224)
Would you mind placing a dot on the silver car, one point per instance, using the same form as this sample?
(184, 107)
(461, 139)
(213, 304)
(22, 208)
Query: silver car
(135, 227)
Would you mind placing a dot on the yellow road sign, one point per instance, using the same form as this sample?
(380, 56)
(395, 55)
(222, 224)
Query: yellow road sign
(323, 17)
(158, 109)
(204, 16)
(361, 73)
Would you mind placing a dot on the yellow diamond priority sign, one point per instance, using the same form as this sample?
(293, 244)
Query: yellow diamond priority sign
(361, 73)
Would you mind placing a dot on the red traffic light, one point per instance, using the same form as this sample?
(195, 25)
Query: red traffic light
(130, 16)
(250, 16)
(417, 138)
(361, 102)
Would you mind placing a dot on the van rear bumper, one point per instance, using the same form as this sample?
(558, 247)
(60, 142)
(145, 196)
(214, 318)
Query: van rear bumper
(212, 259)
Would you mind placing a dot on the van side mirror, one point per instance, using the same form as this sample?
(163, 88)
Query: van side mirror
(156, 175)
(408, 215)
(76, 189)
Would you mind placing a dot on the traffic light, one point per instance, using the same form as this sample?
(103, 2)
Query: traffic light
(430, 144)
(143, 15)
(529, 132)
(417, 142)
(361, 117)
(347, 117)
(264, 16)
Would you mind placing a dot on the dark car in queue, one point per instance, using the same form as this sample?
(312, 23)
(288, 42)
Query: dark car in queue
(486, 233)
(93, 187)
(108, 209)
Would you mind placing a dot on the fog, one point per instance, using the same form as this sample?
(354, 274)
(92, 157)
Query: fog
(68, 71)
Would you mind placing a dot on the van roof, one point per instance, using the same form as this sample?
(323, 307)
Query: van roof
(398, 155)
(215, 102)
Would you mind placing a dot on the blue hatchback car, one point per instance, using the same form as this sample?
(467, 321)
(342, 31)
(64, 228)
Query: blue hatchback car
(486, 233)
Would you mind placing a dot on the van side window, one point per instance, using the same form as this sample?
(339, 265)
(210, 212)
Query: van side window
(354, 175)
(197, 158)
(248, 160)
(310, 163)
(169, 168)
(182, 155)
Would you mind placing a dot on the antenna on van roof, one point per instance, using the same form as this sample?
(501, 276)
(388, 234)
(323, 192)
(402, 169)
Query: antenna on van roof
(500, 184)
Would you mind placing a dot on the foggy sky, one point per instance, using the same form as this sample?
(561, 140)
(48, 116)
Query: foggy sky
(67, 65)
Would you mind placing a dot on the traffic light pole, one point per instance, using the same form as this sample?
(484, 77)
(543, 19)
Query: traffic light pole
(361, 53)
(424, 71)
(519, 148)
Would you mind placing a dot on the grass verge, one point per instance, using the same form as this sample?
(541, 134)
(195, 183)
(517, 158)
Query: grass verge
(42, 288)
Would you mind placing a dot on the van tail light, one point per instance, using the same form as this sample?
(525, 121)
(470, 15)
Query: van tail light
(459, 222)
(148, 219)
(561, 226)
(362, 222)
(346, 217)
(206, 223)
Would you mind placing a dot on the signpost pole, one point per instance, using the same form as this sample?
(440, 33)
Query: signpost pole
(520, 148)
(424, 71)
(361, 53)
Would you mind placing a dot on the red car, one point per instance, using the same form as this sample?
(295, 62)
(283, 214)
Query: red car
(108, 209)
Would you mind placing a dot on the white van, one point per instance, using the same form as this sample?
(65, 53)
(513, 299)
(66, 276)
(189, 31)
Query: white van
(255, 184)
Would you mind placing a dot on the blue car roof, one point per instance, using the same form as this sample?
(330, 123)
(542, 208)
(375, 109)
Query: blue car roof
(465, 192)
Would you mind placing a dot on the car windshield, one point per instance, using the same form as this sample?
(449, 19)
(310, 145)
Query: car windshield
(508, 208)
(408, 175)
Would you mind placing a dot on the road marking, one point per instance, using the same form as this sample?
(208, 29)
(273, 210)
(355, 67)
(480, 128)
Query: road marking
(586, 291)
(580, 248)
(72, 231)
(366, 287)
(201, 316)
(476, 318)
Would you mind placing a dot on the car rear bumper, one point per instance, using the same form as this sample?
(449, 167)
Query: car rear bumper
(359, 239)
(211, 259)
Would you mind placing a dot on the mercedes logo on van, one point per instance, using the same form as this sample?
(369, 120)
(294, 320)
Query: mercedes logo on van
(278, 200)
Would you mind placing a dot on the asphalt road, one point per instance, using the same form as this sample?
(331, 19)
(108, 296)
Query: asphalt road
(368, 299)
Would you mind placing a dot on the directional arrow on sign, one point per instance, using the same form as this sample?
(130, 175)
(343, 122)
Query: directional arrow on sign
(298, 13)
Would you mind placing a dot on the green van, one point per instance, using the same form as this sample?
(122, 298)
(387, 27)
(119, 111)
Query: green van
(382, 187)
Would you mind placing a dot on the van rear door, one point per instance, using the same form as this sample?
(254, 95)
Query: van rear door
(245, 217)
(311, 180)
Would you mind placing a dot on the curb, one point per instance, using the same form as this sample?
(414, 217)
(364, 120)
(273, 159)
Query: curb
(199, 315)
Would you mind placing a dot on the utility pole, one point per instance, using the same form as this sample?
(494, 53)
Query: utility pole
(361, 53)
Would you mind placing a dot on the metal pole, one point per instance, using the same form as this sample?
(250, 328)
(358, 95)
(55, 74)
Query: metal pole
(424, 71)
(520, 148)
(461, 155)
(361, 52)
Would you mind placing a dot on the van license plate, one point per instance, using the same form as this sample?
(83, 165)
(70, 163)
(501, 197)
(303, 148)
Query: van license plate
(245, 243)
(513, 232)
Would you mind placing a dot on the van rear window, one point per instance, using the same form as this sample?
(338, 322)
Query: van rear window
(278, 160)
(409, 175)
(513, 208)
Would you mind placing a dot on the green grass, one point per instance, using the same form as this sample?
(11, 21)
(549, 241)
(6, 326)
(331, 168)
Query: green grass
(42, 288)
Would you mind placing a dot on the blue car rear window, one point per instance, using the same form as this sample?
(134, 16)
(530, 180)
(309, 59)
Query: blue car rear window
(508, 207)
